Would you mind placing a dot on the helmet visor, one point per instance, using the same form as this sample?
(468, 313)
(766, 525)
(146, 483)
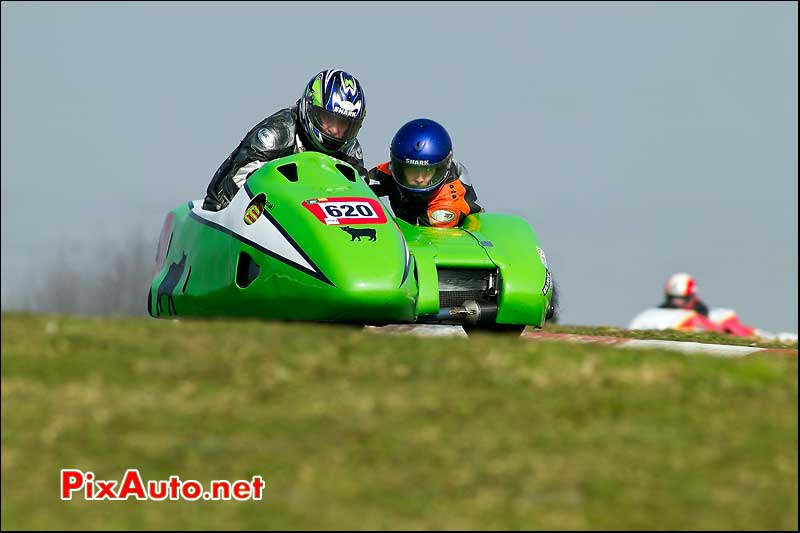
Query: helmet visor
(335, 126)
(420, 177)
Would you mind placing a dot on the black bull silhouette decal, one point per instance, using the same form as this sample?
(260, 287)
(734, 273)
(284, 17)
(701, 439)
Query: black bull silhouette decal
(356, 233)
(168, 285)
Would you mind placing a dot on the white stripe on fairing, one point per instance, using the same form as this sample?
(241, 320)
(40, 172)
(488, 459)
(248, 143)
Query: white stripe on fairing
(261, 232)
(719, 350)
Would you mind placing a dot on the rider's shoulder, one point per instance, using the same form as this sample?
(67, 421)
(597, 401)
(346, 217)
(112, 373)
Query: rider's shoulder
(384, 168)
(274, 133)
(459, 172)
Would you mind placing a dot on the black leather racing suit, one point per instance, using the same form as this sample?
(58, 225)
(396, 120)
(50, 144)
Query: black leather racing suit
(693, 304)
(276, 136)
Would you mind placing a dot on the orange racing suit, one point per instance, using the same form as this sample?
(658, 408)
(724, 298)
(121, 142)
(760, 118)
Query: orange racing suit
(456, 195)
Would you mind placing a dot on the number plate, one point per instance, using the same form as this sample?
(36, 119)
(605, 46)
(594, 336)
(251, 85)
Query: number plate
(350, 211)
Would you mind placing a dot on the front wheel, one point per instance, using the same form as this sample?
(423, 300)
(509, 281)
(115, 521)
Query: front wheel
(504, 329)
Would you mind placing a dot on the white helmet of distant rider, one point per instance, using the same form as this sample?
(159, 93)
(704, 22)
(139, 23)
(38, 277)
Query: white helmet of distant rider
(680, 288)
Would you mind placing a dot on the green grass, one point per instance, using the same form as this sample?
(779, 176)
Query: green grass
(670, 335)
(355, 429)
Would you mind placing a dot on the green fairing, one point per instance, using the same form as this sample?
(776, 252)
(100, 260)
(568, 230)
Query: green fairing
(523, 275)
(359, 277)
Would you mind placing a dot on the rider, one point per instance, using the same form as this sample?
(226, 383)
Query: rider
(325, 119)
(681, 293)
(424, 184)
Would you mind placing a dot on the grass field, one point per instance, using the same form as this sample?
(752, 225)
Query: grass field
(354, 429)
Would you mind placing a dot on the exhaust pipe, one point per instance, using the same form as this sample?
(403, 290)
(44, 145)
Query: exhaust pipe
(473, 312)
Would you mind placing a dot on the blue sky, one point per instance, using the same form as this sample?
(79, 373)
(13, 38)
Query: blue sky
(638, 139)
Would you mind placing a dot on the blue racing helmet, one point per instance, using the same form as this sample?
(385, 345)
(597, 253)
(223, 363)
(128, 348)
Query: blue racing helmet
(421, 153)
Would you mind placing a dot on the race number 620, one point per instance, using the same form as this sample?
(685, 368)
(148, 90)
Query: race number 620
(335, 211)
(349, 210)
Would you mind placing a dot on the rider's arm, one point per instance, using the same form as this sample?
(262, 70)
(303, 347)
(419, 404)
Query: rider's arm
(379, 179)
(351, 153)
(470, 197)
(700, 307)
(455, 200)
(271, 138)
